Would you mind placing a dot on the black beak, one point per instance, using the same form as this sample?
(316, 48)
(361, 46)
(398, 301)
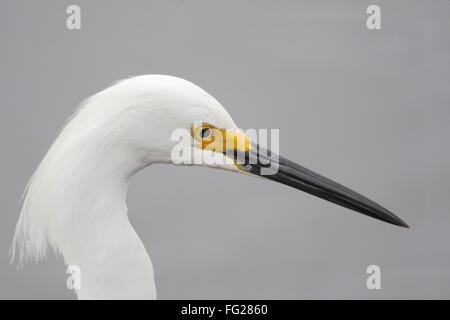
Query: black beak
(274, 167)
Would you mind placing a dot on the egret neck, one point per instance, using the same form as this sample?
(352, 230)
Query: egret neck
(95, 233)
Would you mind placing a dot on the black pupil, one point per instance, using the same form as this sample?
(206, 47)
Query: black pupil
(205, 132)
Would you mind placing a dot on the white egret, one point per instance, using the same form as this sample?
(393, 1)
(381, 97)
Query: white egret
(75, 202)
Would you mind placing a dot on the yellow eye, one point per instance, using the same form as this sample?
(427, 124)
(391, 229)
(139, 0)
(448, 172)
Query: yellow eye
(205, 133)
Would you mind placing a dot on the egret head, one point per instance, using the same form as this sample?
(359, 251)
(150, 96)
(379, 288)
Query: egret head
(165, 119)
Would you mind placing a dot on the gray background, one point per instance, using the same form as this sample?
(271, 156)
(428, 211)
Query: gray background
(370, 109)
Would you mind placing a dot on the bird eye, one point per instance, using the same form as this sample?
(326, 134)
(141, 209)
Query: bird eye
(205, 133)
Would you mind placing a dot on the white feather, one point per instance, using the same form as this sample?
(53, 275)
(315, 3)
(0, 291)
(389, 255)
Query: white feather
(75, 202)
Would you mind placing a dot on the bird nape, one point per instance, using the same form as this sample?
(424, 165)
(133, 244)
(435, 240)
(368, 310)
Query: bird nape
(75, 202)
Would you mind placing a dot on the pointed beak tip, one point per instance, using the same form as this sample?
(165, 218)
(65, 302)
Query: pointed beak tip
(399, 222)
(389, 217)
(405, 225)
